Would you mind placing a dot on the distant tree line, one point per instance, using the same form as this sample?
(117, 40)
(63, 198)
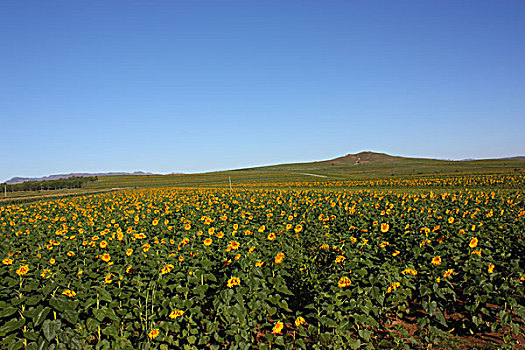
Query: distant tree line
(70, 182)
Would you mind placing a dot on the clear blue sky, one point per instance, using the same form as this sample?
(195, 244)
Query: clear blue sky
(192, 86)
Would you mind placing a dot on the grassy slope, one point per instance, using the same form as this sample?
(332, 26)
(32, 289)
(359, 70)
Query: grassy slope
(344, 168)
(372, 166)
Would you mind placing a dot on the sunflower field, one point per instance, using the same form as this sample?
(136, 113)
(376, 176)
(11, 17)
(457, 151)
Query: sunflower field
(178, 268)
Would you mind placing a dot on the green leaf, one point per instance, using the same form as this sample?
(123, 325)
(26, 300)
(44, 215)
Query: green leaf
(35, 299)
(441, 318)
(283, 289)
(31, 335)
(354, 343)
(279, 340)
(365, 334)
(40, 315)
(16, 345)
(99, 314)
(59, 304)
(8, 311)
(92, 324)
(11, 325)
(48, 329)
(110, 313)
(70, 316)
(103, 294)
(110, 330)
(210, 277)
(301, 343)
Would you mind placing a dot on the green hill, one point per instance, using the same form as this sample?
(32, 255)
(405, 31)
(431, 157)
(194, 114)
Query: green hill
(355, 170)
(361, 166)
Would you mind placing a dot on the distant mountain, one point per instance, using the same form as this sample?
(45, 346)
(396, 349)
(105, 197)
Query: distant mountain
(18, 180)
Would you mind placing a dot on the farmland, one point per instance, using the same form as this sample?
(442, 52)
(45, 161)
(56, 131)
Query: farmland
(375, 171)
(383, 263)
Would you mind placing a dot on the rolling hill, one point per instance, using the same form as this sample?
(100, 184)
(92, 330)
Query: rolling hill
(364, 165)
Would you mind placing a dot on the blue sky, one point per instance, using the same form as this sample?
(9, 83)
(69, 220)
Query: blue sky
(193, 86)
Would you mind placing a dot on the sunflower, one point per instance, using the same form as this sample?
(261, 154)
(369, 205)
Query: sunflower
(339, 259)
(106, 257)
(451, 220)
(279, 258)
(259, 263)
(153, 334)
(491, 268)
(385, 227)
(271, 236)
(233, 281)
(69, 293)
(208, 242)
(473, 243)
(409, 271)
(129, 252)
(393, 286)
(22, 270)
(166, 269)
(103, 244)
(344, 282)
(278, 327)
(298, 228)
(176, 313)
(299, 321)
(477, 252)
(7, 261)
(436, 260)
(448, 273)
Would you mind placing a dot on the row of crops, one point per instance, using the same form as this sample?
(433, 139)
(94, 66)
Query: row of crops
(242, 269)
(505, 180)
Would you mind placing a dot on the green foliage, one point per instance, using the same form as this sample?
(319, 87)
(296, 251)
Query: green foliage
(70, 182)
(284, 269)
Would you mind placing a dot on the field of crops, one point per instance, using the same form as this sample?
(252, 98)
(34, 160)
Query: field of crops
(251, 268)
